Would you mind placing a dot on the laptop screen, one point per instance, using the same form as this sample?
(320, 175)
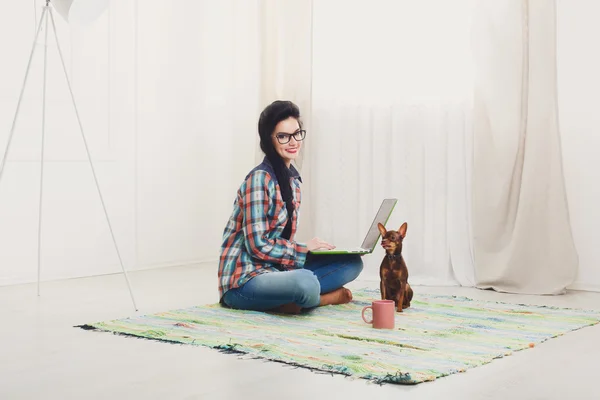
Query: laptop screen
(385, 210)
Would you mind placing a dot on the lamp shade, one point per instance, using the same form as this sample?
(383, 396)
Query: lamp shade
(80, 11)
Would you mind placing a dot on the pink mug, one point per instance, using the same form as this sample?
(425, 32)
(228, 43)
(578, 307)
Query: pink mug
(384, 313)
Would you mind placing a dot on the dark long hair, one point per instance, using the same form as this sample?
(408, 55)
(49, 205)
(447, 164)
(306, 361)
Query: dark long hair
(273, 114)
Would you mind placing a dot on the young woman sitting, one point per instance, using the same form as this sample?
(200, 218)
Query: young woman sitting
(261, 266)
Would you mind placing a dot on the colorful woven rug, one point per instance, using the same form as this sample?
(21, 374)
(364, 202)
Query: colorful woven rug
(437, 336)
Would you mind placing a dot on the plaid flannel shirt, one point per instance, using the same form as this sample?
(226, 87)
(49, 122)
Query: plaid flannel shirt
(252, 242)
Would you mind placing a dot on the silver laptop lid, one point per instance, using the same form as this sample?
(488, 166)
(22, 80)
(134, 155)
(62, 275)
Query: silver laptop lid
(385, 210)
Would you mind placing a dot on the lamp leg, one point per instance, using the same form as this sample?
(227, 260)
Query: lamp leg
(39, 260)
(14, 124)
(90, 160)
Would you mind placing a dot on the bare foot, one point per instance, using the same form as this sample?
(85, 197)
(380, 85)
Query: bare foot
(338, 296)
(291, 308)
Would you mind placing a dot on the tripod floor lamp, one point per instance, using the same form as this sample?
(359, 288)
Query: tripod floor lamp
(83, 11)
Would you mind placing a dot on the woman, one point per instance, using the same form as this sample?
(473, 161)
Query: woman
(261, 266)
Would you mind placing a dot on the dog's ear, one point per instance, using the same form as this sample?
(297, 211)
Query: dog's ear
(403, 229)
(381, 229)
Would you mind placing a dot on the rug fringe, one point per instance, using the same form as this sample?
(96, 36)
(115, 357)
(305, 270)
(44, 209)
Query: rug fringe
(86, 327)
(231, 349)
(129, 335)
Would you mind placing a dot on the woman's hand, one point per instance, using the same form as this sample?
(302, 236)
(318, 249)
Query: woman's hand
(317, 243)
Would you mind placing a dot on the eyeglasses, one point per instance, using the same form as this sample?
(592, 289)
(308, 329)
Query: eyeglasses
(284, 138)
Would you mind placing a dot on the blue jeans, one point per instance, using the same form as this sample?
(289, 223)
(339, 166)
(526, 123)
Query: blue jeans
(321, 274)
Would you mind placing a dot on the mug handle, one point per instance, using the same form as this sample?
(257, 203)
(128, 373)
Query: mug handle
(363, 314)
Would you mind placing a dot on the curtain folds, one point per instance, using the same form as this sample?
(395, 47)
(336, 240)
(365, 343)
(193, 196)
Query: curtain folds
(522, 241)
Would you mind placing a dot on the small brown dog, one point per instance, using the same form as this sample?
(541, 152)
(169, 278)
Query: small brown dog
(393, 271)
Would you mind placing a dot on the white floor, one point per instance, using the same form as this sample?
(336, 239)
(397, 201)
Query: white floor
(43, 356)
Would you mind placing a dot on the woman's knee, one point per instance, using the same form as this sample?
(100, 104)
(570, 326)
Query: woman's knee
(307, 282)
(231, 299)
(308, 289)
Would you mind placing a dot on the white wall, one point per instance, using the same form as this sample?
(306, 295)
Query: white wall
(579, 105)
(167, 96)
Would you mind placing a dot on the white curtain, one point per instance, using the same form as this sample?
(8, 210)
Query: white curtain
(391, 118)
(170, 92)
(286, 74)
(522, 232)
(198, 102)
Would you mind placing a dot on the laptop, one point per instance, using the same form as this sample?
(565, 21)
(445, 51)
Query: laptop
(372, 236)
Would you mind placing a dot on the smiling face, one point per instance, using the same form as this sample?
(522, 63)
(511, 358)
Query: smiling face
(283, 133)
